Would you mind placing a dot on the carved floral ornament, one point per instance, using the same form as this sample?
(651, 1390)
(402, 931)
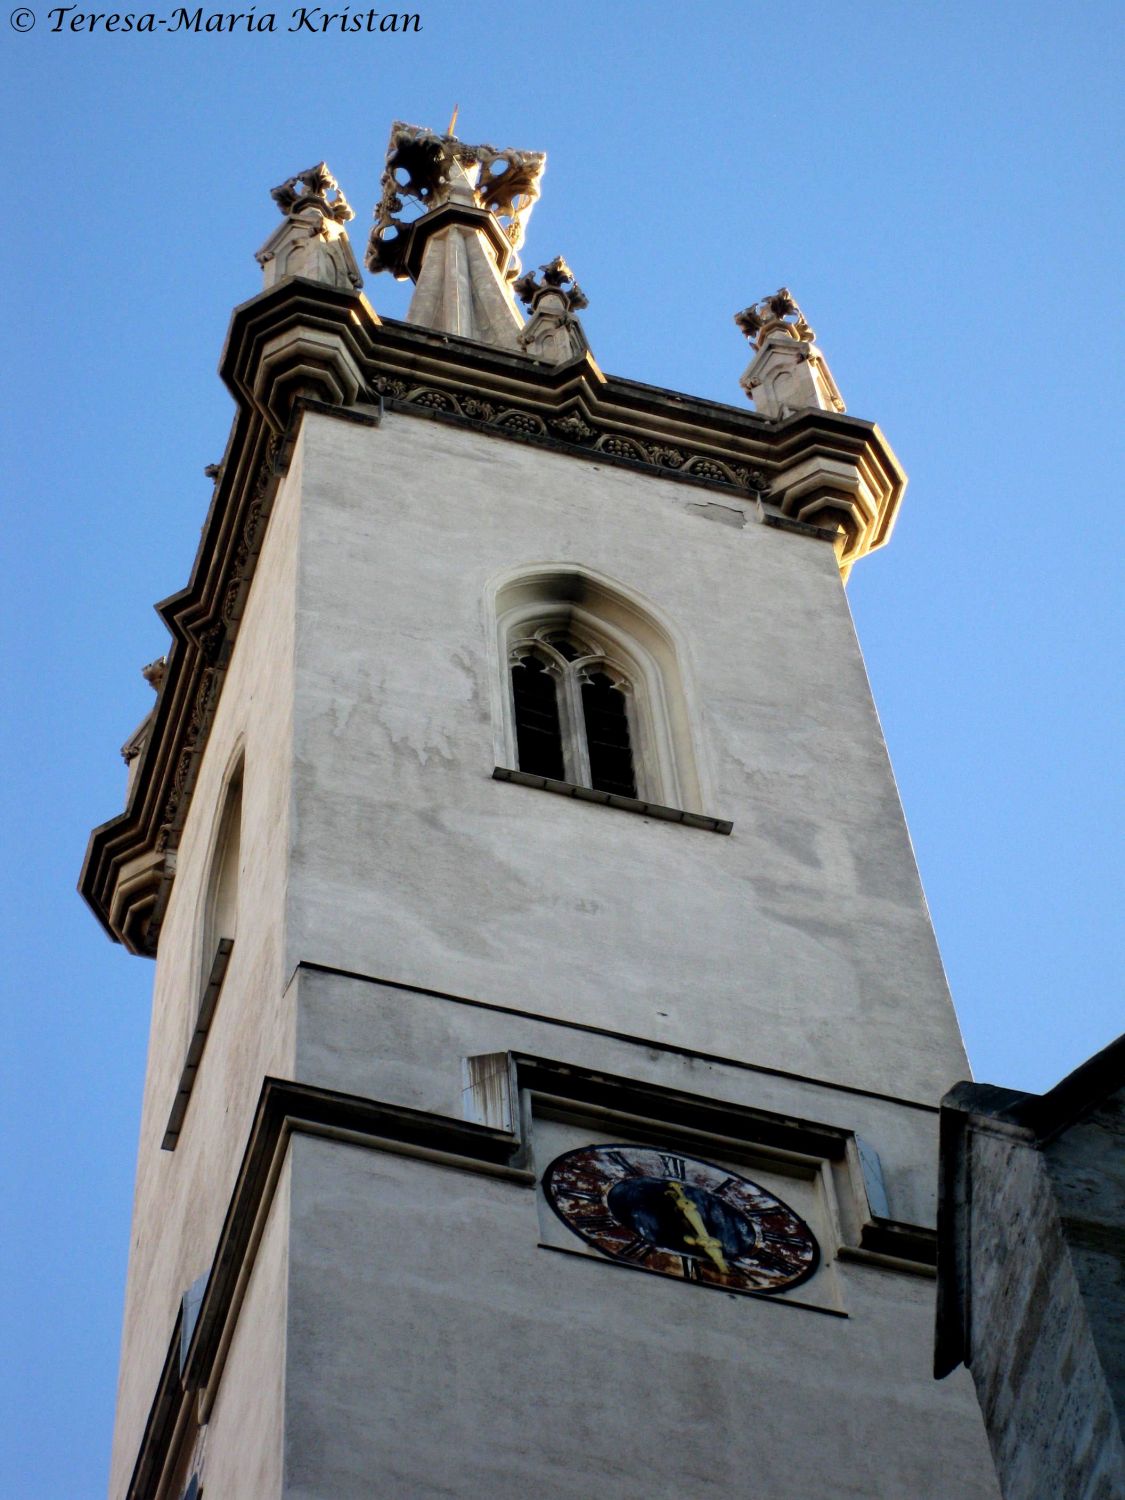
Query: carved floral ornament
(425, 170)
(776, 314)
(314, 188)
(572, 428)
(555, 277)
(310, 241)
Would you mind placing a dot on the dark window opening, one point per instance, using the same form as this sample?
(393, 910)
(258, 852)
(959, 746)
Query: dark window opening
(607, 737)
(538, 736)
(566, 647)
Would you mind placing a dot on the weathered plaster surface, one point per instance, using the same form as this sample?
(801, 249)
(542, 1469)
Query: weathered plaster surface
(801, 942)
(245, 1432)
(433, 1343)
(181, 1196)
(385, 1043)
(427, 1337)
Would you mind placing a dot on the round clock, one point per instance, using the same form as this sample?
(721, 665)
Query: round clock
(680, 1216)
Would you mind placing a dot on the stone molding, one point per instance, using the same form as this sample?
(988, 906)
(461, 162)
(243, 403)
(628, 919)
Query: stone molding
(305, 345)
(612, 799)
(491, 1138)
(285, 1108)
(573, 429)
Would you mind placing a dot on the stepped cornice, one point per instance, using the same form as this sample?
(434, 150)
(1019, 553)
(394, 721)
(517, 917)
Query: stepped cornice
(305, 345)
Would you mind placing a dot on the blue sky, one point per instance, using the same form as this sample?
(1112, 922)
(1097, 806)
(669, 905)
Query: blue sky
(936, 183)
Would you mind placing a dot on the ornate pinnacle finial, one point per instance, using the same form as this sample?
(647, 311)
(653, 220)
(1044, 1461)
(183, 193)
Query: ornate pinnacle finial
(311, 189)
(554, 297)
(153, 672)
(311, 241)
(788, 372)
(776, 314)
(425, 171)
(556, 274)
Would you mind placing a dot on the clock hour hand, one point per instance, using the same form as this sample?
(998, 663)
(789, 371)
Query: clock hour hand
(704, 1241)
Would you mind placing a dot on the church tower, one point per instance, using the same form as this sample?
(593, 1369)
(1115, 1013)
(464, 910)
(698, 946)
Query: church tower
(548, 1030)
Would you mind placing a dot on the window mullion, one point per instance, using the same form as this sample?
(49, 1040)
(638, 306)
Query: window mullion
(575, 751)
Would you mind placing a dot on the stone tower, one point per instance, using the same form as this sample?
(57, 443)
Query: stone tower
(548, 1030)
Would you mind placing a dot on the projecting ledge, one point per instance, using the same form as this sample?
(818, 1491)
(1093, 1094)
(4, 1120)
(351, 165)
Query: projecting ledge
(612, 799)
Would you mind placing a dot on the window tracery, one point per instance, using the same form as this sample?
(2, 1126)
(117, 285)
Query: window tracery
(574, 712)
(592, 689)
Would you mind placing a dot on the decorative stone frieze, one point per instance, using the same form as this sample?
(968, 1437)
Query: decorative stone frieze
(788, 372)
(554, 298)
(573, 429)
(312, 241)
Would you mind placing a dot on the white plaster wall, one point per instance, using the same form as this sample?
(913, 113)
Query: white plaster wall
(244, 1451)
(375, 840)
(181, 1196)
(801, 942)
(436, 1350)
(404, 1048)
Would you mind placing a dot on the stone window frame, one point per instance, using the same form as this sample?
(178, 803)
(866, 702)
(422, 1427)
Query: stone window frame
(217, 908)
(638, 646)
(220, 892)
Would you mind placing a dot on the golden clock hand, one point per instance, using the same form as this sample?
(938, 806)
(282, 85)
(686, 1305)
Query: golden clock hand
(706, 1242)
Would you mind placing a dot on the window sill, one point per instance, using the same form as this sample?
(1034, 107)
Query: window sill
(611, 799)
(198, 1041)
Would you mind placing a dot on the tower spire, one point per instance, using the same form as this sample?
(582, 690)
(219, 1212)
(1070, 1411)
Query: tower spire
(460, 249)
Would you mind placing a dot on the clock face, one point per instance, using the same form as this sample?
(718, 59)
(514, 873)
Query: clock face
(680, 1216)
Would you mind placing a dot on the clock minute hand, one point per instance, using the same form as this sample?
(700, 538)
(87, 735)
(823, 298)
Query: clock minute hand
(706, 1242)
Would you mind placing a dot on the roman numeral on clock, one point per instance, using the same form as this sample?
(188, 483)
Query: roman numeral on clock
(620, 1160)
(635, 1250)
(599, 1219)
(674, 1166)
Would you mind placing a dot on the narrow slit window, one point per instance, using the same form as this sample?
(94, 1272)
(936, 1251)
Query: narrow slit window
(607, 736)
(538, 732)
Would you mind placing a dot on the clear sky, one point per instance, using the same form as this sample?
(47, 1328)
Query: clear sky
(937, 185)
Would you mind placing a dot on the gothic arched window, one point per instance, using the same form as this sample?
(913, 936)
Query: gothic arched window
(572, 712)
(220, 901)
(219, 923)
(593, 689)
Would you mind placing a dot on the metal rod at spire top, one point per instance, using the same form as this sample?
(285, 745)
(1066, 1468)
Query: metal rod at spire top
(452, 120)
